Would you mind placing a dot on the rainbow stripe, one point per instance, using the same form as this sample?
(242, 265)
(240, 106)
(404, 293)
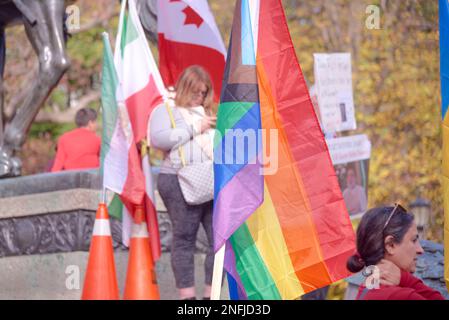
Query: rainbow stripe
(444, 73)
(286, 233)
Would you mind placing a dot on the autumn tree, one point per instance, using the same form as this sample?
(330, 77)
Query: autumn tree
(395, 78)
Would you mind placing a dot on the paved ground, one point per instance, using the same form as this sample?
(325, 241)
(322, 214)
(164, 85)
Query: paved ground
(60, 276)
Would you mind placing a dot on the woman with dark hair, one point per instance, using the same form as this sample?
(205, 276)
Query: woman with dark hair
(387, 238)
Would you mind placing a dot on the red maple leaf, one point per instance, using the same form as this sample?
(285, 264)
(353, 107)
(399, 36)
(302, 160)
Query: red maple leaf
(192, 17)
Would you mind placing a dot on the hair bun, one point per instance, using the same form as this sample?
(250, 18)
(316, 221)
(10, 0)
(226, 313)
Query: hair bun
(355, 263)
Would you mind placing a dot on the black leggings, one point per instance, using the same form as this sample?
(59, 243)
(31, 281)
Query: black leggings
(185, 221)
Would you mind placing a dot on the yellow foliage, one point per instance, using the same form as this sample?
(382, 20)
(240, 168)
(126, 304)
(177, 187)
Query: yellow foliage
(396, 86)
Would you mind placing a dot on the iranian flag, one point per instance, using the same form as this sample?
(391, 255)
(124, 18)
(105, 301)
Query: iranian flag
(143, 90)
(149, 205)
(188, 35)
(120, 211)
(120, 163)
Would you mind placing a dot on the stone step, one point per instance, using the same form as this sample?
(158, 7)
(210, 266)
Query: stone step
(60, 276)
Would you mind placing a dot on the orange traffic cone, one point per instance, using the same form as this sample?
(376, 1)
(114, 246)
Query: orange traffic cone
(141, 281)
(100, 282)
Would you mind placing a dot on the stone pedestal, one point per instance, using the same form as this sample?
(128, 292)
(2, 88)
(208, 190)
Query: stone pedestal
(46, 223)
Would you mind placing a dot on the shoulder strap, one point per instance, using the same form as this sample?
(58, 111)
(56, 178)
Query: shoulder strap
(173, 124)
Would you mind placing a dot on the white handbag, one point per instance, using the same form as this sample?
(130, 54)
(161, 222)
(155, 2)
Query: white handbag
(196, 180)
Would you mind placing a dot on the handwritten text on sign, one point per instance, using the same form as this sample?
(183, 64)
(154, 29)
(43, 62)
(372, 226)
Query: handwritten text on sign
(349, 149)
(333, 79)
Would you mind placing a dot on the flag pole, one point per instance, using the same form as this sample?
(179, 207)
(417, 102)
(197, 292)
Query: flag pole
(103, 196)
(217, 276)
(105, 35)
(120, 25)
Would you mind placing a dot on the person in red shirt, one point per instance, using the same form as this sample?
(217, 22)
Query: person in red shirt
(388, 247)
(79, 148)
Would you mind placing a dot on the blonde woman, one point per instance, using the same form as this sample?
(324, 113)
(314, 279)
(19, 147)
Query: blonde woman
(194, 119)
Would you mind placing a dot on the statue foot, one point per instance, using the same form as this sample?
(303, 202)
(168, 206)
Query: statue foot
(16, 167)
(9, 166)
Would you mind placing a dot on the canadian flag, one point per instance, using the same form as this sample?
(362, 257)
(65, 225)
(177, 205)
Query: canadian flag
(189, 36)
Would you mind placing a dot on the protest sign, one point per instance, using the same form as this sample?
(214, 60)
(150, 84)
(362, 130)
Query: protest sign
(350, 156)
(333, 81)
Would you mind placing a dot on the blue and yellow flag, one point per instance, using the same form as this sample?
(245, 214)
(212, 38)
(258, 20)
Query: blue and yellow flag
(444, 73)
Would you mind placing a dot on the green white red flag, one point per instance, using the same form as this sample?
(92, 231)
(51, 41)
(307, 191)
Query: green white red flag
(120, 163)
(143, 90)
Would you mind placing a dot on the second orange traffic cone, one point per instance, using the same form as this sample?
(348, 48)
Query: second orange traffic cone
(100, 282)
(141, 281)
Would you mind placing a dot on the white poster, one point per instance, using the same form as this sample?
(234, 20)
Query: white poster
(333, 81)
(349, 149)
(350, 157)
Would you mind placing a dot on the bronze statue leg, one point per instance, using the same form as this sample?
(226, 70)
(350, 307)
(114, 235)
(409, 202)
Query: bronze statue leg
(46, 36)
(2, 66)
(5, 163)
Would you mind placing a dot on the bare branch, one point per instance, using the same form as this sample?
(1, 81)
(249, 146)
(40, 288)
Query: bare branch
(69, 114)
